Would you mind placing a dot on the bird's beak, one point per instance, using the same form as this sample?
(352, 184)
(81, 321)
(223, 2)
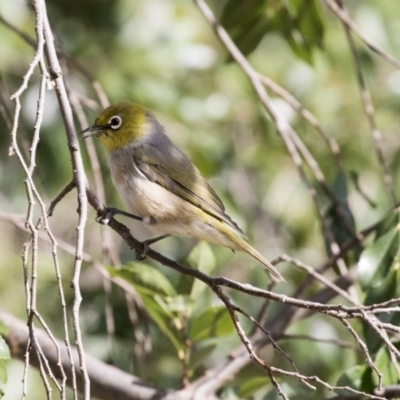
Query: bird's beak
(93, 130)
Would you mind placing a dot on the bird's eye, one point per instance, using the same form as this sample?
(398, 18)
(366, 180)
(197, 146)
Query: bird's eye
(115, 122)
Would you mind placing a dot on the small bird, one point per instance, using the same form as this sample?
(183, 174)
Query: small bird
(160, 184)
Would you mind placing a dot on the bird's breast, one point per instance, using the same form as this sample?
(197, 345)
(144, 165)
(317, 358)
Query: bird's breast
(164, 211)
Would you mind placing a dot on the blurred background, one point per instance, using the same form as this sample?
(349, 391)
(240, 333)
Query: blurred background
(163, 55)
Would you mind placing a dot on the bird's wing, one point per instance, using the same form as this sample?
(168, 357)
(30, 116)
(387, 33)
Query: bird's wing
(190, 186)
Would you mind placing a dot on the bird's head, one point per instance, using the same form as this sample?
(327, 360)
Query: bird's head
(119, 125)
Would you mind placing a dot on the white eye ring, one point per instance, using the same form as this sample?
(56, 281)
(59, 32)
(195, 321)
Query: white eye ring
(115, 122)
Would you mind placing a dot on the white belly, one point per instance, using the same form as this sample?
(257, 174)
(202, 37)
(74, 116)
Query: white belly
(151, 201)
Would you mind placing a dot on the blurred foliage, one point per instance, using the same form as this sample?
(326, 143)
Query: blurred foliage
(298, 21)
(4, 357)
(163, 55)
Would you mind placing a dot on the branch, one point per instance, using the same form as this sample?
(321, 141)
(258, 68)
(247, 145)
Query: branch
(239, 358)
(108, 382)
(335, 8)
(79, 179)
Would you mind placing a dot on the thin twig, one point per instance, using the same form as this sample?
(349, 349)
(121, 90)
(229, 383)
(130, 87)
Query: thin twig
(60, 196)
(335, 8)
(368, 107)
(305, 113)
(312, 272)
(80, 181)
(364, 349)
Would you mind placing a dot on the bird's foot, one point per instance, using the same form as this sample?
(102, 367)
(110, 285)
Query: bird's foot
(108, 213)
(141, 254)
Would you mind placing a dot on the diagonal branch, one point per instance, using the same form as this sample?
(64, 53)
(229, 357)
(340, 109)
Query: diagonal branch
(342, 15)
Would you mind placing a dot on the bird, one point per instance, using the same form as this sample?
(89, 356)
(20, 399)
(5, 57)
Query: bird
(158, 182)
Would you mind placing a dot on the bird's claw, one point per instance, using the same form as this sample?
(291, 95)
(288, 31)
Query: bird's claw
(105, 220)
(141, 254)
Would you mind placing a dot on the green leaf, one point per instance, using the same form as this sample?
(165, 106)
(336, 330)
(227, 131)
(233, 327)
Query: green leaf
(201, 258)
(246, 22)
(158, 296)
(4, 355)
(145, 278)
(307, 28)
(4, 350)
(4, 329)
(298, 21)
(212, 322)
(252, 385)
(385, 365)
(386, 289)
(367, 382)
(382, 290)
(3, 373)
(353, 175)
(163, 318)
(185, 284)
(199, 353)
(340, 218)
(180, 304)
(354, 378)
(376, 260)
(340, 190)
(388, 223)
(237, 13)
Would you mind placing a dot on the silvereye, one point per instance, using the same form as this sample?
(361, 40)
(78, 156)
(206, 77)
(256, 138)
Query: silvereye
(160, 184)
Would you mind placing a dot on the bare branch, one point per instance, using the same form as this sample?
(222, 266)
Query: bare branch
(333, 5)
(60, 196)
(368, 108)
(79, 179)
(107, 381)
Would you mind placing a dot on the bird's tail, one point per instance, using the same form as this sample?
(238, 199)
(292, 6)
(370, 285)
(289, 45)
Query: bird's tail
(241, 244)
(235, 240)
(275, 275)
